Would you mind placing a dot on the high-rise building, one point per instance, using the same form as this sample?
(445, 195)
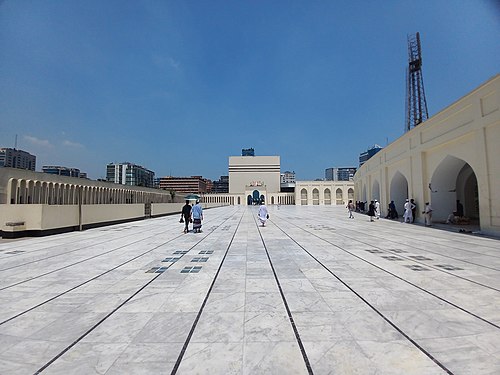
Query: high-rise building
(248, 152)
(340, 173)
(193, 184)
(364, 156)
(287, 177)
(129, 174)
(13, 158)
(62, 171)
(221, 186)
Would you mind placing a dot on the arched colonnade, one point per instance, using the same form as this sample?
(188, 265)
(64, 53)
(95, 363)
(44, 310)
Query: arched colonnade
(26, 191)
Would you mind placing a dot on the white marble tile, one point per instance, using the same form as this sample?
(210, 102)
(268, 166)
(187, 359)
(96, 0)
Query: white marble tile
(119, 328)
(225, 302)
(183, 302)
(268, 326)
(147, 334)
(219, 327)
(339, 357)
(273, 358)
(270, 301)
(212, 358)
(399, 357)
(264, 285)
(166, 328)
(87, 358)
(150, 352)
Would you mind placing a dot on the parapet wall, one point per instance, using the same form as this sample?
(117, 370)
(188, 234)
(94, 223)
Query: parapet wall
(19, 220)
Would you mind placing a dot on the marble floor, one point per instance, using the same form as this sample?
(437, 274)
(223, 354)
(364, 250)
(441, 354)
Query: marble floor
(312, 292)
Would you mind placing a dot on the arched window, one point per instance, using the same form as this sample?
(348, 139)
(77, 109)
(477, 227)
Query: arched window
(328, 197)
(303, 197)
(315, 197)
(338, 197)
(350, 194)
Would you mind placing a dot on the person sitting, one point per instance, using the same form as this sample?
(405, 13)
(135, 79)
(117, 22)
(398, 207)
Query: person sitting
(452, 218)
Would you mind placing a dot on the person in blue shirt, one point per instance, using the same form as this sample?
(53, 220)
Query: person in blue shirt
(197, 213)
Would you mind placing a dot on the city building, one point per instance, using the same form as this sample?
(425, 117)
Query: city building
(221, 186)
(185, 185)
(365, 156)
(14, 158)
(248, 152)
(129, 174)
(340, 173)
(287, 177)
(62, 171)
(287, 182)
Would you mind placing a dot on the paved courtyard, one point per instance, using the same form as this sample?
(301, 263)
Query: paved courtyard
(313, 292)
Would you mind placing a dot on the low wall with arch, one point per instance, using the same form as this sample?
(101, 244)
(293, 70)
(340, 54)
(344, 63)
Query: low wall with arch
(323, 193)
(453, 156)
(34, 203)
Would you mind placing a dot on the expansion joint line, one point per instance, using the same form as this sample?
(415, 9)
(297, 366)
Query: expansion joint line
(288, 311)
(44, 367)
(429, 355)
(195, 323)
(406, 281)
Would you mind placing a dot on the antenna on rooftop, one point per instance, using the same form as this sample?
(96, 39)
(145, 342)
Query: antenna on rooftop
(15, 144)
(416, 105)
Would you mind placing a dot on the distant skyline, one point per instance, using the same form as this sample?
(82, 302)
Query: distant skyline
(179, 86)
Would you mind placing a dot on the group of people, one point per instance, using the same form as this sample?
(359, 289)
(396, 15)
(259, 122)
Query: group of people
(193, 215)
(410, 209)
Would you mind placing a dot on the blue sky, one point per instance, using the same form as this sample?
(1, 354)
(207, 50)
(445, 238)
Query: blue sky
(178, 86)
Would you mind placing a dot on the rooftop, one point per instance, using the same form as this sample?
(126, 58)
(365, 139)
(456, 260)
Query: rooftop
(312, 292)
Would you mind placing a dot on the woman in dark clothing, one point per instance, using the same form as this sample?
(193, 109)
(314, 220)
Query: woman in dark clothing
(186, 216)
(371, 210)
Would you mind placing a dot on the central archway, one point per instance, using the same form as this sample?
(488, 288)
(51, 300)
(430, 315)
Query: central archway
(399, 191)
(256, 197)
(454, 180)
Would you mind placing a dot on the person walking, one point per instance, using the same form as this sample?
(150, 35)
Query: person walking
(197, 214)
(263, 214)
(377, 209)
(427, 214)
(186, 216)
(393, 213)
(408, 215)
(371, 210)
(350, 207)
(413, 210)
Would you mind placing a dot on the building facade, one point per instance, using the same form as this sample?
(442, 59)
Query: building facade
(365, 156)
(248, 152)
(257, 177)
(61, 171)
(287, 177)
(340, 173)
(185, 185)
(129, 174)
(13, 158)
(323, 193)
(221, 186)
(452, 156)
